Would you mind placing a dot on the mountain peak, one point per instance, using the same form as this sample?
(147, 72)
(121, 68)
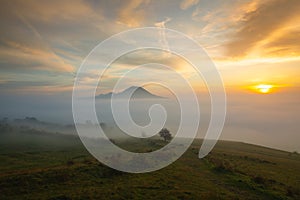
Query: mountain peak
(134, 88)
(136, 91)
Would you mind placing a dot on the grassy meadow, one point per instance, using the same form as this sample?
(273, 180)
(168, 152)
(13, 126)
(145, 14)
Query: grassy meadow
(41, 165)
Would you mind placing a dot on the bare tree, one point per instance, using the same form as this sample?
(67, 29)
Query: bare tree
(165, 133)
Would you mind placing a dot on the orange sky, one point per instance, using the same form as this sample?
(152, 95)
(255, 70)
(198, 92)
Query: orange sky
(251, 42)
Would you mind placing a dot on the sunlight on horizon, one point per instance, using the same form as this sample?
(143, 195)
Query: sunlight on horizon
(263, 88)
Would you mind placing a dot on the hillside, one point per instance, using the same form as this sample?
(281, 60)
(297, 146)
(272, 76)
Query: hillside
(40, 165)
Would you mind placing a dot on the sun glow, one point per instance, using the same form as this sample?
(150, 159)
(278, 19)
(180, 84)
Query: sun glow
(262, 88)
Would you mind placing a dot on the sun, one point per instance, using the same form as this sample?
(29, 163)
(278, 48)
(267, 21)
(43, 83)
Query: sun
(262, 88)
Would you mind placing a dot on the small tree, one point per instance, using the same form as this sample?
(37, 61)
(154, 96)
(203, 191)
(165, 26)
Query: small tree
(103, 126)
(165, 133)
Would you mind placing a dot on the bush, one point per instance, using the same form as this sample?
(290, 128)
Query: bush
(70, 162)
(292, 192)
(222, 165)
(259, 180)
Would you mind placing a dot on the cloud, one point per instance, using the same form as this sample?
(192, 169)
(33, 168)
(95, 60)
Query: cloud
(26, 57)
(53, 37)
(46, 89)
(213, 22)
(258, 30)
(288, 44)
(131, 14)
(162, 24)
(185, 4)
(41, 35)
(224, 15)
(162, 33)
(141, 57)
(51, 11)
(25, 87)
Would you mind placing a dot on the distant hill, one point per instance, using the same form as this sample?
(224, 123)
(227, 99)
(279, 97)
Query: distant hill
(137, 93)
(34, 123)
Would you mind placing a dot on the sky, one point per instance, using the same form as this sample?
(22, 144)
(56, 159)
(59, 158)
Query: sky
(255, 45)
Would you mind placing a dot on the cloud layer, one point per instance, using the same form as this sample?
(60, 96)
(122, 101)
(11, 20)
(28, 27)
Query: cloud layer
(53, 37)
(270, 30)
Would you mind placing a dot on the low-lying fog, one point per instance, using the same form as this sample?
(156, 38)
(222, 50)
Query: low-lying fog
(270, 120)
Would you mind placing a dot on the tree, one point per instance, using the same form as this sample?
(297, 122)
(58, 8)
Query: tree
(165, 133)
(103, 126)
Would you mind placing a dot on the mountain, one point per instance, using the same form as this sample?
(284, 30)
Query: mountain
(137, 93)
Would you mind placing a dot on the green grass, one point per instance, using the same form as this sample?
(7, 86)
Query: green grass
(51, 166)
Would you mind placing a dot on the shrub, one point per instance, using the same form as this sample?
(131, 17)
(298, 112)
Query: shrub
(259, 180)
(70, 162)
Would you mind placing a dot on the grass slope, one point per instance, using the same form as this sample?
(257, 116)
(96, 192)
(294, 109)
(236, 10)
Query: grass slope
(38, 165)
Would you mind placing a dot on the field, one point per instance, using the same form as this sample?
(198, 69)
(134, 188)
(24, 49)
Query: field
(40, 165)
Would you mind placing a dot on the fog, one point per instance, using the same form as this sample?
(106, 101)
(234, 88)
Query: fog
(265, 119)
